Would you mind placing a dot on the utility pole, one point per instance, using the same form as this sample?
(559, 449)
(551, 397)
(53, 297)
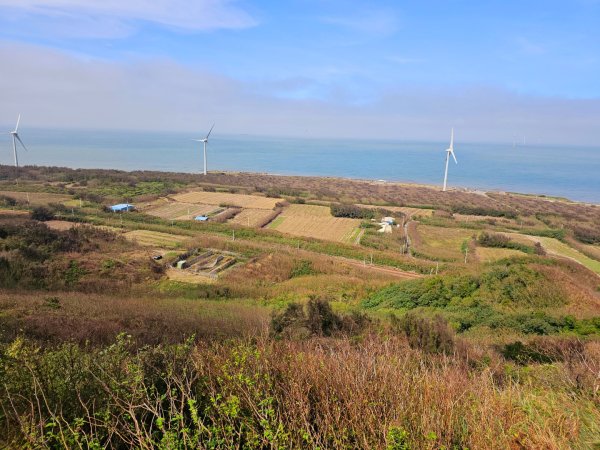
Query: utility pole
(233, 238)
(466, 253)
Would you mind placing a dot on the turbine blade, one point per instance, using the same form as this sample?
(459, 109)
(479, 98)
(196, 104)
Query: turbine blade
(452, 139)
(18, 120)
(454, 156)
(19, 139)
(211, 128)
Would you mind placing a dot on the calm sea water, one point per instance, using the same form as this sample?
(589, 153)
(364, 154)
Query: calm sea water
(572, 172)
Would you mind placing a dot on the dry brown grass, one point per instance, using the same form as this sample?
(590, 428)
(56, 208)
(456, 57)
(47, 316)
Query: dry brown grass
(179, 210)
(319, 393)
(218, 198)
(98, 318)
(36, 198)
(251, 217)
(155, 238)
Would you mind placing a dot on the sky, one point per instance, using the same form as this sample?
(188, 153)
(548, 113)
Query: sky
(497, 71)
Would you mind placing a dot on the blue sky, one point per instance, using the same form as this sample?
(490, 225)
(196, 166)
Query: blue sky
(406, 70)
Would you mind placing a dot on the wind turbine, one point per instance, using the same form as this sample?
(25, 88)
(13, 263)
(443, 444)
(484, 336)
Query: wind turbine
(15, 138)
(449, 151)
(205, 141)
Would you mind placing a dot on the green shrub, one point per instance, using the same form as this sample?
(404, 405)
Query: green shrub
(351, 211)
(42, 214)
(501, 241)
(302, 268)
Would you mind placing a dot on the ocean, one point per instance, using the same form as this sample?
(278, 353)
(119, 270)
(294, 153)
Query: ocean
(572, 172)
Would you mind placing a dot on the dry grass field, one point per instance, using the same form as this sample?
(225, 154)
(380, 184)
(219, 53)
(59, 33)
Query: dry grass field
(218, 198)
(488, 254)
(406, 210)
(36, 198)
(185, 276)
(179, 210)
(316, 222)
(438, 242)
(557, 248)
(154, 238)
(251, 217)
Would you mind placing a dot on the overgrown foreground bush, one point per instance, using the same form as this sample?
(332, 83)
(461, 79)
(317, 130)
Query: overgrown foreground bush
(321, 392)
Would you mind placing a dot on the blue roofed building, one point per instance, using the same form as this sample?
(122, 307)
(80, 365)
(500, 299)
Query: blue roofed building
(122, 207)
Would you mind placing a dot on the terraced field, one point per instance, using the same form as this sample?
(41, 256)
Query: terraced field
(180, 210)
(316, 222)
(251, 217)
(218, 198)
(36, 198)
(554, 246)
(558, 248)
(154, 238)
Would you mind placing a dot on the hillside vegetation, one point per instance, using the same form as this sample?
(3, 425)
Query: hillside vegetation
(473, 321)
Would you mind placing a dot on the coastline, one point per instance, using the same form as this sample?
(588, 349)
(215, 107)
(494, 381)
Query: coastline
(7, 173)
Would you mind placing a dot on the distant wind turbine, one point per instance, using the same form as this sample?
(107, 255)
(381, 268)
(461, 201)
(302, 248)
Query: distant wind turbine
(15, 138)
(449, 151)
(205, 141)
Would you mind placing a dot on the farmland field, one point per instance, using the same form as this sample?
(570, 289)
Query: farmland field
(316, 222)
(251, 217)
(154, 238)
(218, 198)
(406, 210)
(438, 242)
(558, 248)
(179, 210)
(488, 254)
(554, 246)
(36, 198)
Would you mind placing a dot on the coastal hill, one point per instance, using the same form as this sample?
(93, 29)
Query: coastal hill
(290, 312)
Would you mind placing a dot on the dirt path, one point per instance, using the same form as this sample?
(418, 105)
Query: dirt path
(376, 268)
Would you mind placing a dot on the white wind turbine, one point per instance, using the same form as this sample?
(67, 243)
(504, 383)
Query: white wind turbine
(15, 138)
(449, 151)
(205, 141)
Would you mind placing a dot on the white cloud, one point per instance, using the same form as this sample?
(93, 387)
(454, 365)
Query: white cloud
(114, 18)
(54, 89)
(382, 23)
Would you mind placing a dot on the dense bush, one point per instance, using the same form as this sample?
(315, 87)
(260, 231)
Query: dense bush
(430, 335)
(351, 211)
(317, 319)
(587, 235)
(481, 211)
(269, 394)
(42, 214)
(436, 291)
(7, 201)
(497, 240)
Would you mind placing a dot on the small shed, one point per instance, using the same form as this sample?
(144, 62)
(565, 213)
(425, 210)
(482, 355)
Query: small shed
(122, 207)
(201, 218)
(389, 220)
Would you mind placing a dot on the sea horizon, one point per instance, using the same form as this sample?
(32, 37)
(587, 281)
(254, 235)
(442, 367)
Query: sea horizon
(537, 169)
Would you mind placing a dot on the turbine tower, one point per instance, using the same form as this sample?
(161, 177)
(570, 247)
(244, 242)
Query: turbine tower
(449, 151)
(15, 138)
(205, 141)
